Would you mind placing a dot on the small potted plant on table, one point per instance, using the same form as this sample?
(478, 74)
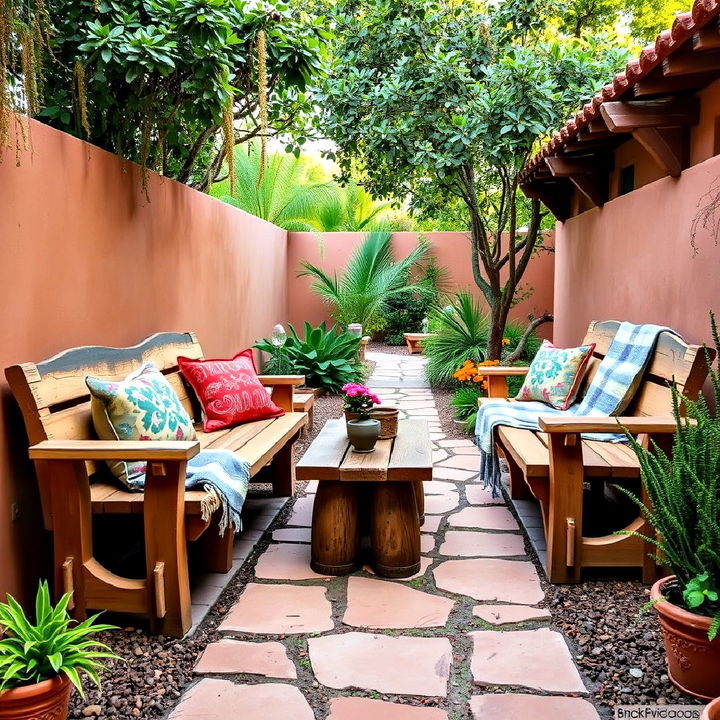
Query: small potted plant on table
(40, 662)
(683, 507)
(362, 431)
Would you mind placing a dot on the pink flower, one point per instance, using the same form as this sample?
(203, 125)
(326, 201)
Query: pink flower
(375, 399)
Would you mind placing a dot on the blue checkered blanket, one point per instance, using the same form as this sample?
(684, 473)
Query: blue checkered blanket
(613, 386)
(225, 477)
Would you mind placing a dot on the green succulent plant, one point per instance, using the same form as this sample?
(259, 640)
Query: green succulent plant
(327, 358)
(465, 404)
(54, 644)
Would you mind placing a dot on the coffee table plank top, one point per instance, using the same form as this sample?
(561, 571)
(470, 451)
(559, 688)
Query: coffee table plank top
(406, 457)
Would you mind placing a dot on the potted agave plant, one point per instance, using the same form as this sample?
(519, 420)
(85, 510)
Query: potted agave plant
(41, 661)
(683, 507)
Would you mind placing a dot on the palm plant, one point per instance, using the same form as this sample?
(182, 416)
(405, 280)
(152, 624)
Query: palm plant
(351, 209)
(370, 278)
(288, 194)
(461, 333)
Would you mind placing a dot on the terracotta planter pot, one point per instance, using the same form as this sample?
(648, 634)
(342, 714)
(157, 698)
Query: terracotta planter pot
(47, 700)
(388, 417)
(712, 711)
(693, 661)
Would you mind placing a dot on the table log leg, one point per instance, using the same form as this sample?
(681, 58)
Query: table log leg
(335, 529)
(395, 529)
(419, 490)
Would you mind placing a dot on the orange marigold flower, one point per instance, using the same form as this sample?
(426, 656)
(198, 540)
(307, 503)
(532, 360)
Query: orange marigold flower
(506, 341)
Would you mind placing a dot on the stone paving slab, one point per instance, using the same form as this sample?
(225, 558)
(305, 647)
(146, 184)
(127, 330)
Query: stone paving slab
(484, 518)
(279, 610)
(462, 462)
(466, 543)
(431, 524)
(357, 708)
(211, 699)
(478, 495)
(443, 473)
(512, 706)
(505, 614)
(425, 563)
(292, 534)
(491, 580)
(286, 561)
(302, 512)
(398, 665)
(439, 504)
(234, 657)
(427, 542)
(381, 604)
(538, 659)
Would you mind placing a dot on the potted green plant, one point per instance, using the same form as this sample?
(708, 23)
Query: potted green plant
(683, 507)
(41, 661)
(362, 431)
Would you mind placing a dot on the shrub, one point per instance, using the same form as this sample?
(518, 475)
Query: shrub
(465, 404)
(461, 332)
(327, 358)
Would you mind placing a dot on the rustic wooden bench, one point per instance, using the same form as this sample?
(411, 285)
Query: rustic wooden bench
(553, 465)
(414, 341)
(305, 402)
(75, 485)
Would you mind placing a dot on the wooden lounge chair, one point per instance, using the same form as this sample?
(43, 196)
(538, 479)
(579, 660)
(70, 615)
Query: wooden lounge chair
(75, 488)
(552, 465)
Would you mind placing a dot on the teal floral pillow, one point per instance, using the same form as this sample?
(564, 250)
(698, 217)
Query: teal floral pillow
(555, 375)
(143, 406)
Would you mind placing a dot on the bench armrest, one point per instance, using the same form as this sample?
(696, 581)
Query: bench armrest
(503, 371)
(150, 450)
(649, 424)
(270, 380)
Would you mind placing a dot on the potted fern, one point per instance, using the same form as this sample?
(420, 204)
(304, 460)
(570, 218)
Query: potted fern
(683, 507)
(41, 661)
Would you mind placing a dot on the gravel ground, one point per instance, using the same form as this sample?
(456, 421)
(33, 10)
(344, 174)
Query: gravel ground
(619, 652)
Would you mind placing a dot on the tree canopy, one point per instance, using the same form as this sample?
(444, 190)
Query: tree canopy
(440, 99)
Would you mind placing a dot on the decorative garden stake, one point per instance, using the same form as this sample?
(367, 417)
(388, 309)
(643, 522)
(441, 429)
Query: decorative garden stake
(278, 340)
(362, 431)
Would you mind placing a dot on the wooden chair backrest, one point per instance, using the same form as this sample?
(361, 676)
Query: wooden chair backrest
(53, 396)
(672, 360)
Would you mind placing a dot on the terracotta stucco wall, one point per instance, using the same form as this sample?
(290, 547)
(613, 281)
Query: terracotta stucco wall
(634, 259)
(451, 249)
(86, 259)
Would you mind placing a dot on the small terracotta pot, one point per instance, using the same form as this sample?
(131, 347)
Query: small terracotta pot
(693, 660)
(388, 417)
(47, 700)
(712, 711)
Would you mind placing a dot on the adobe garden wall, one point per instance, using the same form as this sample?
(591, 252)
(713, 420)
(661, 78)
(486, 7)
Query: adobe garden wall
(87, 260)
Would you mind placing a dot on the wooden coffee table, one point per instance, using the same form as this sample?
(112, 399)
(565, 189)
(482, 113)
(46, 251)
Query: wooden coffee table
(378, 494)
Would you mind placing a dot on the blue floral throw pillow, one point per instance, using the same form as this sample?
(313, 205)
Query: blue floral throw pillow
(143, 406)
(555, 375)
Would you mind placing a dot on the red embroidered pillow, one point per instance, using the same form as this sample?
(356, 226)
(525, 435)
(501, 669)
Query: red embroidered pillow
(229, 390)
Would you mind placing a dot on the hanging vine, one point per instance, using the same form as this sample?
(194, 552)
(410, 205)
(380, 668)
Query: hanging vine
(81, 96)
(229, 140)
(262, 100)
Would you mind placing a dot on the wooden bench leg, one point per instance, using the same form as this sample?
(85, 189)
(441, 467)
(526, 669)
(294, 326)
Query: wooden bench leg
(564, 531)
(395, 530)
(283, 470)
(335, 529)
(217, 550)
(166, 549)
(419, 490)
(72, 529)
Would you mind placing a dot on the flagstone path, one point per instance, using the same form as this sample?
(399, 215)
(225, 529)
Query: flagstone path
(464, 638)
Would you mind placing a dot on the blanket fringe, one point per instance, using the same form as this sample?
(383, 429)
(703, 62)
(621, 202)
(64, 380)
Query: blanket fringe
(211, 503)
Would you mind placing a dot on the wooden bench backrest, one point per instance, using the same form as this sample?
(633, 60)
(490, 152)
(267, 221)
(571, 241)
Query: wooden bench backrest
(53, 396)
(672, 359)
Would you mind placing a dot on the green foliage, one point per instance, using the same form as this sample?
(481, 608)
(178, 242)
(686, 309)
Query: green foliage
(369, 280)
(296, 195)
(327, 358)
(465, 404)
(684, 498)
(444, 101)
(53, 644)
(460, 333)
(156, 76)
(406, 310)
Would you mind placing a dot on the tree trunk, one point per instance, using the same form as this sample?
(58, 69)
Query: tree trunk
(498, 320)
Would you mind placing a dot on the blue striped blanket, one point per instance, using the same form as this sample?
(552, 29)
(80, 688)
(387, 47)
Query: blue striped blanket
(225, 477)
(613, 386)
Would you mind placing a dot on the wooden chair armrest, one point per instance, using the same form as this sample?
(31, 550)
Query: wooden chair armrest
(150, 450)
(635, 425)
(270, 380)
(494, 370)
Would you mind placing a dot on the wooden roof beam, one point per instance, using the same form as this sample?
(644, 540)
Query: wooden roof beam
(554, 195)
(690, 63)
(707, 38)
(654, 85)
(588, 175)
(628, 116)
